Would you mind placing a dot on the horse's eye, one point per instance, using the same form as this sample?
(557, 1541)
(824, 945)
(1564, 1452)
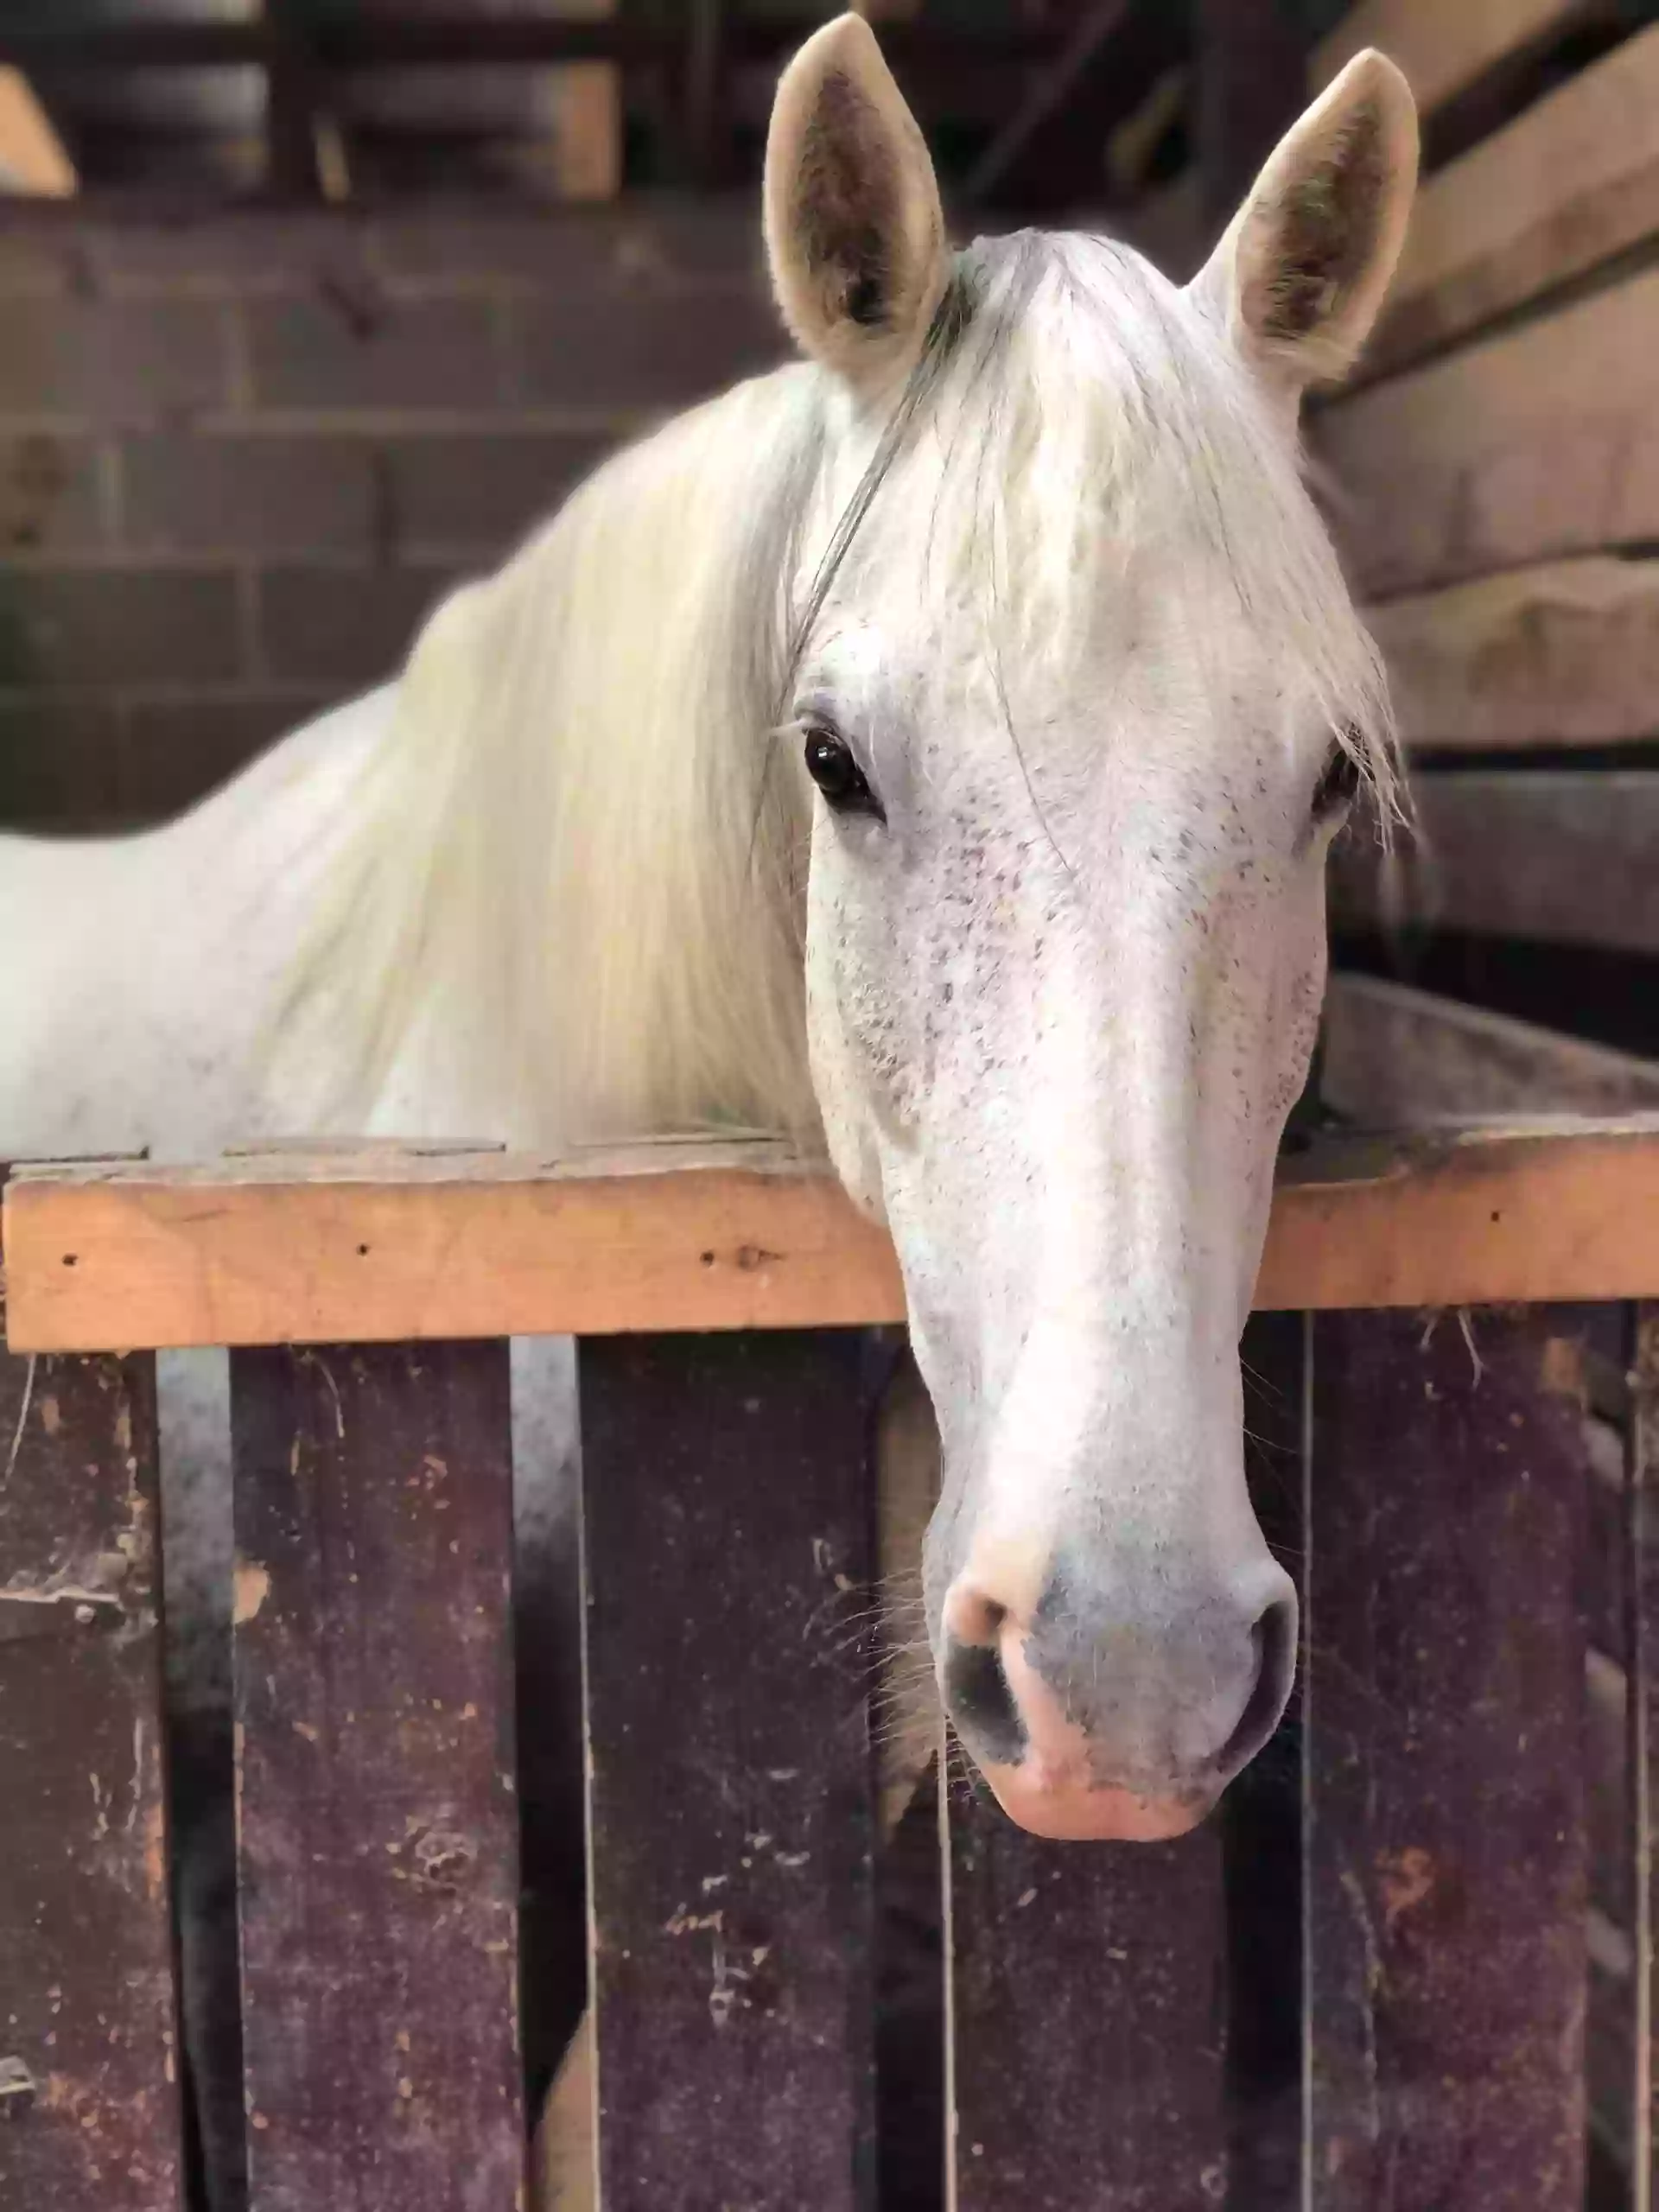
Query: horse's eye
(830, 763)
(1338, 782)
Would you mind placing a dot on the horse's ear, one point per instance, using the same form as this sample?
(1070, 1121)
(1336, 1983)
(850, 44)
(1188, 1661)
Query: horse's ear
(855, 231)
(1303, 268)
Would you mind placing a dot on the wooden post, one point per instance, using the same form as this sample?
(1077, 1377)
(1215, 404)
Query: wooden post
(1446, 1835)
(89, 2103)
(1261, 1816)
(376, 1818)
(728, 1534)
(1088, 2019)
(1643, 1743)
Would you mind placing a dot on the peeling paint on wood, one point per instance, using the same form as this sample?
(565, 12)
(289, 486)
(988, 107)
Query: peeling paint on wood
(378, 1835)
(1446, 1837)
(89, 2106)
(728, 1529)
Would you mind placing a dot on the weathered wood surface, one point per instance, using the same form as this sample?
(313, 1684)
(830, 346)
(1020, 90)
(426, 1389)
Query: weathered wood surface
(1261, 1816)
(388, 1247)
(1396, 1057)
(376, 1827)
(728, 1524)
(1564, 654)
(1446, 1837)
(1088, 2019)
(1530, 445)
(1564, 857)
(1572, 181)
(1643, 1662)
(1444, 49)
(275, 1251)
(89, 2101)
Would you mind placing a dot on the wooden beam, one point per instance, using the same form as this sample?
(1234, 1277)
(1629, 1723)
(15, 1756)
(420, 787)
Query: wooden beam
(1398, 1059)
(1446, 49)
(1540, 442)
(1443, 1887)
(385, 1247)
(32, 158)
(361, 41)
(292, 169)
(1563, 654)
(1573, 181)
(587, 97)
(1558, 857)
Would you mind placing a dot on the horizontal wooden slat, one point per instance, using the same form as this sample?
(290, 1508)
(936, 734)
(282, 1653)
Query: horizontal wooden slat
(1398, 1059)
(1564, 654)
(1540, 442)
(1558, 857)
(1572, 181)
(1445, 46)
(745, 1236)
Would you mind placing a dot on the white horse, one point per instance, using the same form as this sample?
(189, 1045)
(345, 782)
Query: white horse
(931, 748)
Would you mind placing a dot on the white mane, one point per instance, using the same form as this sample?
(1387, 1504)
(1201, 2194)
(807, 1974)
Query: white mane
(576, 850)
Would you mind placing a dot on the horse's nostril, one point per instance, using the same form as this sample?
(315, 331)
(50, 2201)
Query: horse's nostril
(1273, 1637)
(980, 1702)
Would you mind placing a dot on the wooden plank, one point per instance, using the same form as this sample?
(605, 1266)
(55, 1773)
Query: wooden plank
(1531, 445)
(1563, 858)
(586, 99)
(273, 1251)
(89, 2103)
(1444, 50)
(1087, 2016)
(1447, 1858)
(1643, 1712)
(1261, 1816)
(1398, 1058)
(728, 1534)
(1572, 181)
(1564, 654)
(376, 1827)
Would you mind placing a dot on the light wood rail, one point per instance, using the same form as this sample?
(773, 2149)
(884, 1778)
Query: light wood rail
(380, 1244)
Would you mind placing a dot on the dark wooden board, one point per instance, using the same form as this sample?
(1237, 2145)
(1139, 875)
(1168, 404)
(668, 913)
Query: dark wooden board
(1565, 855)
(1446, 1856)
(89, 2103)
(1088, 2004)
(1261, 1817)
(376, 1824)
(1644, 1739)
(728, 1530)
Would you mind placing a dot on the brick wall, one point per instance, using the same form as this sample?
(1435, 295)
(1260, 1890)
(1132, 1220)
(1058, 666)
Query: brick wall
(241, 456)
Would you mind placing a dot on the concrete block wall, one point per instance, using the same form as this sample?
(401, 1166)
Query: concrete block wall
(240, 455)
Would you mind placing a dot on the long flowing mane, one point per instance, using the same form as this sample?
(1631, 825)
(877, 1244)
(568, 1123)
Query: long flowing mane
(576, 857)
